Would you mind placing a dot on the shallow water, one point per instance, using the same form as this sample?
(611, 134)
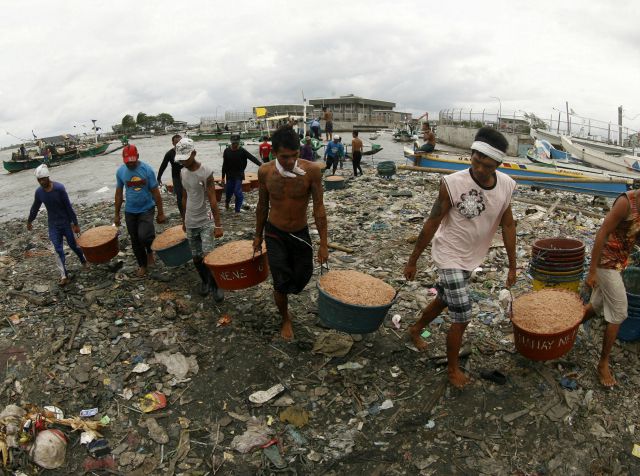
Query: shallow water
(83, 178)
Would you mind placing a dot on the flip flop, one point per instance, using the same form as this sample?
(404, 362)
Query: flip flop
(493, 376)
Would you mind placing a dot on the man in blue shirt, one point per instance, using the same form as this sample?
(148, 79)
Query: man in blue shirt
(315, 128)
(61, 218)
(333, 153)
(142, 197)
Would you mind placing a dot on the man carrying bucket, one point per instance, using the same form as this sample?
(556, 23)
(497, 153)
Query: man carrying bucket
(470, 206)
(61, 219)
(142, 197)
(198, 197)
(286, 184)
(609, 257)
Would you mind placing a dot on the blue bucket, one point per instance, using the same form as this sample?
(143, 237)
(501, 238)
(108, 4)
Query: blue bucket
(350, 318)
(631, 278)
(630, 329)
(176, 255)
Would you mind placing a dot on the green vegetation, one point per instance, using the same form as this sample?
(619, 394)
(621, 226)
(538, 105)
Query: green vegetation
(144, 122)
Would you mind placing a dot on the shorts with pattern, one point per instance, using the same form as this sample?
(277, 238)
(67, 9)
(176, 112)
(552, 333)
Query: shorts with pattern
(453, 290)
(200, 240)
(610, 296)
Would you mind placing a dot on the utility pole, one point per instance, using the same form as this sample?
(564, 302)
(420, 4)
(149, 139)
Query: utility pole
(620, 125)
(568, 119)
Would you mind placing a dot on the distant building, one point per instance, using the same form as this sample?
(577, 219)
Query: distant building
(356, 109)
(349, 112)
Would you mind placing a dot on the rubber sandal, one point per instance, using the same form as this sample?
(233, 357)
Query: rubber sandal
(493, 376)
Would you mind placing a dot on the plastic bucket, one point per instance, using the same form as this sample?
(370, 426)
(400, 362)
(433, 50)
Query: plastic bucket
(558, 273)
(556, 279)
(631, 278)
(630, 329)
(336, 183)
(350, 318)
(241, 275)
(101, 253)
(386, 168)
(557, 260)
(564, 246)
(569, 285)
(544, 346)
(176, 255)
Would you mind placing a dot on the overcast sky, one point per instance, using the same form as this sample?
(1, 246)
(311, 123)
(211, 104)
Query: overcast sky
(66, 62)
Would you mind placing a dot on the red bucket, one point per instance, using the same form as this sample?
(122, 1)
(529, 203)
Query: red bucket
(547, 346)
(240, 275)
(99, 244)
(562, 246)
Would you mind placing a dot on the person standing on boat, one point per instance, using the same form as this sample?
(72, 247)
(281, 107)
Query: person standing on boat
(265, 150)
(199, 197)
(613, 244)
(23, 152)
(234, 163)
(286, 185)
(356, 149)
(470, 206)
(176, 167)
(328, 123)
(430, 140)
(315, 128)
(61, 219)
(333, 153)
(306, 152)
(142, 198)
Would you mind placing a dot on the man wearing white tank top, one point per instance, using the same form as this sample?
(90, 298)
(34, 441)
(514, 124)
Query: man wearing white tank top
(470, 206)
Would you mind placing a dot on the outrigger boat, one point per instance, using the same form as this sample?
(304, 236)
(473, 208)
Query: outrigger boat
(17, 163)
(623, 163)
(543, 177)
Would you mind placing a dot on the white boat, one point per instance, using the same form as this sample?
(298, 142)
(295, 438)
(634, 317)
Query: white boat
(556, 140)
(596, 158)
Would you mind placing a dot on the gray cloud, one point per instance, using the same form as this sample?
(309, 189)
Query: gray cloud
(69, 62)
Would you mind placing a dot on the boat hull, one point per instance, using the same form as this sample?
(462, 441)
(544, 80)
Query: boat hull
(604, 187)
(597, 158)
(13, 166)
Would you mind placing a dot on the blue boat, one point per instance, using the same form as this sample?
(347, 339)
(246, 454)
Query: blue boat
(587, 183)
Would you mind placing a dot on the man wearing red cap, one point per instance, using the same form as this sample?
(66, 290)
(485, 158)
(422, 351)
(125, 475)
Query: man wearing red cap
(142, 197)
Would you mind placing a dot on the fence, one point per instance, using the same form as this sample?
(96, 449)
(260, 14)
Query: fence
(521, 122)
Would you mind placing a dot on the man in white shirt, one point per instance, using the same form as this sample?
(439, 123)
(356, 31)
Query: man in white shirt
(471, 204)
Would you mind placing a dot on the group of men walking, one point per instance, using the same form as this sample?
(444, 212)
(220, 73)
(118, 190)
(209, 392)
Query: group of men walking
(470, 206)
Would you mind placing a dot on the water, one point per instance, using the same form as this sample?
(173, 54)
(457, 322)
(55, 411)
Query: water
(84, 177)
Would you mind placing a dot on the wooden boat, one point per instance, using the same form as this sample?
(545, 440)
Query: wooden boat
(555, 139)
(544, 155)
(596, 158)
(226, 135)
(543, 177)
(16, 164)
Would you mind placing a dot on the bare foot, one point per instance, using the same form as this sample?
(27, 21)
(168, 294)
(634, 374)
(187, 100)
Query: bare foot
(85, 265)
(458, 379)
(416, 339)
(63, 281)
(286, 331)
(604, 374)
(141, 272)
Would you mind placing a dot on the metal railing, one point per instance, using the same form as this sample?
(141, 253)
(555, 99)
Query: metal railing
(521, 122)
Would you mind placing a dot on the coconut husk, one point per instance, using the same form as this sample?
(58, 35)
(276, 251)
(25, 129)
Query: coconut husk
(97, 236)
(353, 287)
(231, 253)
(170, 237)
(548, 311)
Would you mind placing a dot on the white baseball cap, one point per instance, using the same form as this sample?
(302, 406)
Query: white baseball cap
(184, 148)
(42, 171)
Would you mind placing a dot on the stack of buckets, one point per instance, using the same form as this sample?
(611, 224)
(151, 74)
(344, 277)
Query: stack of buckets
(630, 328)
(557, 263)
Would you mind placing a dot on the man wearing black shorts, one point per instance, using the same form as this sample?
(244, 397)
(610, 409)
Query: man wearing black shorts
(286, 185)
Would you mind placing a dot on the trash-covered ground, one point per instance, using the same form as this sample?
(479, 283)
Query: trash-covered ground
(231, 397)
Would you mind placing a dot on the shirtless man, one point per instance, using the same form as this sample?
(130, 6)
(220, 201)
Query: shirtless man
(429, 140)
(286, 184)
(356, 150)
(328, 126)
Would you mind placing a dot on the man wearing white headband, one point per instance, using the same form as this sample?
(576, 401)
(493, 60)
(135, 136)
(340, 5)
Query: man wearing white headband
(61, 218)
(470, 206)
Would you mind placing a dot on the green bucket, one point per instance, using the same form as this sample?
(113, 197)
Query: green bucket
(386, 169)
